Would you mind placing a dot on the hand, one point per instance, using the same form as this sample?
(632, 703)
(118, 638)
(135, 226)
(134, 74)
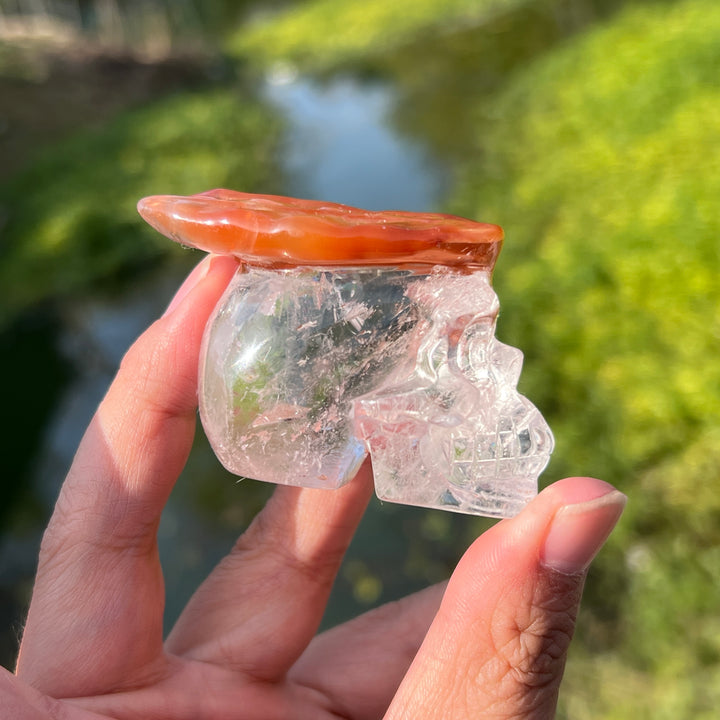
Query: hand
(490, 644)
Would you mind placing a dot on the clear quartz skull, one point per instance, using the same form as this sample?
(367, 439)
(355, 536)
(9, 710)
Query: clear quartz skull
(306, 370)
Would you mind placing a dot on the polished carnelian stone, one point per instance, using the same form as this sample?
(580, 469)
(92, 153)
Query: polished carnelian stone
(277, 231)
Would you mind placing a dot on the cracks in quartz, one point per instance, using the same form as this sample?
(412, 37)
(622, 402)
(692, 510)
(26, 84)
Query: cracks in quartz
(327, 365)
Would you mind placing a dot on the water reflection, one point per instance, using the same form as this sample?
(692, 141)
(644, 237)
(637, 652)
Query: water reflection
(341, 147)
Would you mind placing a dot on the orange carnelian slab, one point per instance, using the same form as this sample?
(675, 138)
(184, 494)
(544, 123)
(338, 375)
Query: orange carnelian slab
(279, 231)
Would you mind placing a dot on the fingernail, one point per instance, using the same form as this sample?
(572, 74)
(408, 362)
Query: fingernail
(578, 531)
(199, 272)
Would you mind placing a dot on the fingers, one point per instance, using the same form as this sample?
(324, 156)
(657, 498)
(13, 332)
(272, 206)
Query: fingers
(22, 702)
(358, 666)
(497, 646)
(261, 606)
(95, 619)
(19, 701)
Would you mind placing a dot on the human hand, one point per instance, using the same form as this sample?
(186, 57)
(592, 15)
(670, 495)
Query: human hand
(490, 644)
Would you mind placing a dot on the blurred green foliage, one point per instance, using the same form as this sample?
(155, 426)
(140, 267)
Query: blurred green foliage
(602, 161)
(321, 34)
(605, 174)
(70, 220)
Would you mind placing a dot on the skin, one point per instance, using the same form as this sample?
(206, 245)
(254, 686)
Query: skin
(490, 643)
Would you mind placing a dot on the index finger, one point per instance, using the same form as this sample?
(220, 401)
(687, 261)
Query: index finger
(98, 599)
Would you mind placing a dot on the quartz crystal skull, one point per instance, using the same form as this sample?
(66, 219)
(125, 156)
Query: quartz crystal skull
(346, 332)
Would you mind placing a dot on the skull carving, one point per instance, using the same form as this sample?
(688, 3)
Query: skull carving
(346, 332)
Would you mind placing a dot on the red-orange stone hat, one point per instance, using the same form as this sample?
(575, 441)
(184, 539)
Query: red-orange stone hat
(277, 231)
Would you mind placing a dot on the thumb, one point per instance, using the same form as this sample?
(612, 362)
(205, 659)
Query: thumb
(497, 646)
